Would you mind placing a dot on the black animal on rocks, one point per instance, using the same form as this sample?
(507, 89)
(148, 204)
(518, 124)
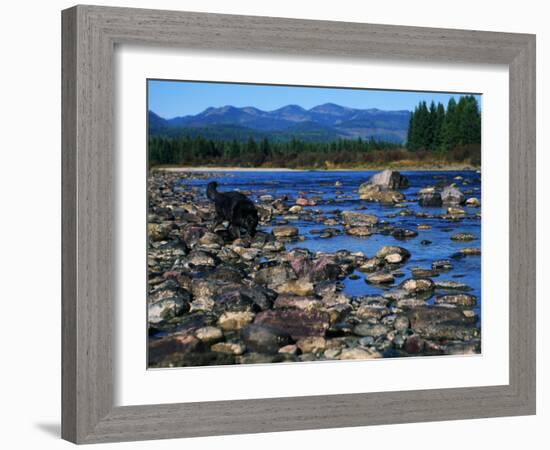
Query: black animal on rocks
(234, 207)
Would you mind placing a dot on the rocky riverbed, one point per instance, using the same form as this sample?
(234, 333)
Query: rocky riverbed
(215, 300)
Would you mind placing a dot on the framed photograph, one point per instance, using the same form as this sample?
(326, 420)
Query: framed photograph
(277, 224)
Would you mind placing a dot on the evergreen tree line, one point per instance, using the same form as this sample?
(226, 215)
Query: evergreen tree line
(437, 129)
(263, 152)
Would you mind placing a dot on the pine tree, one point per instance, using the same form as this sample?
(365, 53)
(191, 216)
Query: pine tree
(431, 131)
(449, 130)
(412, 133)
(470, 124)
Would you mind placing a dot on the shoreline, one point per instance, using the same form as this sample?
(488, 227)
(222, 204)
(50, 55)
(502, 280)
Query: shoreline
(317, 281)
(283, 169)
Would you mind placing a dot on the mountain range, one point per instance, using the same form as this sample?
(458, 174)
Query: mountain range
(323, 123)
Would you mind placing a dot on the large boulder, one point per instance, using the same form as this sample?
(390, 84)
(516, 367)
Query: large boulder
(440, 322)
(389, 179)
(429, 197)
(297, 323)
(451, 195)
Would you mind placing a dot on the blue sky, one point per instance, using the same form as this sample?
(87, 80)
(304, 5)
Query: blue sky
(180, 98)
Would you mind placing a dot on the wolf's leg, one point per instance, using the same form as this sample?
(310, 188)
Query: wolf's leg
(234, 231)
(217, 222)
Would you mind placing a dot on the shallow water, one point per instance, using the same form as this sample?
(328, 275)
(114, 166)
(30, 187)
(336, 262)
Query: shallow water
(345, 198)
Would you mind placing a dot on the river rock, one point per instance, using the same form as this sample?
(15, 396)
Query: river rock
(298, 302)
(468, 251)
(401, 323)
(191, 234)
(234, 299)
(158, 232)
(419, 272)
(463, 237)
(390, 249)
(265, 339)
(209, 334)
(312, 344)
(371, 264)
(418, 285)
(373, 193)
(296, 209)
(176, 344)
(473, 202)
(439, 322)
(442, 265)
(199, 258)
(409, 302)
(451, 285)
(430, 199)
(367, 329)
(301, 287)
(322, 268)
(235, 320)
(274, 275)
(359, 231)
(285, 231)
(454, 211)
(290, 349)
(205, 289)
(211, 240)
(359, 353)
(372, 311)
(451, 195)
(302, 201)
(296, 322)
(232, 348)
(166, 309)
(424, 316)
(414, 344)
(380, 278)
(357, 219)
(457, 299)
(274, 246)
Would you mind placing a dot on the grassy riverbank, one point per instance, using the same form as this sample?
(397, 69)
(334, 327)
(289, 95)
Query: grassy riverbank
(396, 165)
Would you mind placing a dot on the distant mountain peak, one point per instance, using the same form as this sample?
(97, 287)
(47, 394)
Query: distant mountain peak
(326, 122)
(290, 108)
(331, 108)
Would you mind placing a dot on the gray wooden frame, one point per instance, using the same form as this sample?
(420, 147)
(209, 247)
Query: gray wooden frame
(89, 37)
